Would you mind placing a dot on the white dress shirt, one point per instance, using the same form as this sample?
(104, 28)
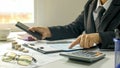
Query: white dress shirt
(106, 6)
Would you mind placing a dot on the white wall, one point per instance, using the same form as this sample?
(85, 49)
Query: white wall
(57, 12)
(53, 12)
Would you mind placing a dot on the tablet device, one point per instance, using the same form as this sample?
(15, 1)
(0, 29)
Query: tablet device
(25, 28)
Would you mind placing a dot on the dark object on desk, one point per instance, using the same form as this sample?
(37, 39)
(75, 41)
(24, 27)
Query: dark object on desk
(84, 55)
(25, 28)
(29, 39)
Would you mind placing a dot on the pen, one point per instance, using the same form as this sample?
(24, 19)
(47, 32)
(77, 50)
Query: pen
(55, 42)
(58, 42)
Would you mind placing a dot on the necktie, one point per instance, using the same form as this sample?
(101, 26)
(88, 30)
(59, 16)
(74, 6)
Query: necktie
(100, 12)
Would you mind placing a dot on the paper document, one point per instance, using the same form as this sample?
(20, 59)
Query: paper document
(51, 47)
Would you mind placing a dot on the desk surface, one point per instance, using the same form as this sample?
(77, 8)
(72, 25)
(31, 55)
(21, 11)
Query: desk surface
(107, 62)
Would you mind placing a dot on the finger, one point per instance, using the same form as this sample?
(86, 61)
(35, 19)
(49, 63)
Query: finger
(77, 41)
(32, 29)
(86, 42)
(91, 43)
(82, 41)
(40, 30)
(44, 35)
(37, 29)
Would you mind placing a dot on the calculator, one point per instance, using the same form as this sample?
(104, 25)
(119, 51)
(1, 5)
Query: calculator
(84, 55)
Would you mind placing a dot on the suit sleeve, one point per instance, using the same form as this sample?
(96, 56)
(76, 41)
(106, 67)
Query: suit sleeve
(71, 30)
(108, 35)
(107, 40)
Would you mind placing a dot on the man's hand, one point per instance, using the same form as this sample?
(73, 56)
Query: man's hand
(43, 30)
(87, 40)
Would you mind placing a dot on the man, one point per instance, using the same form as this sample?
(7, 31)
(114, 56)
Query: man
(98, 26)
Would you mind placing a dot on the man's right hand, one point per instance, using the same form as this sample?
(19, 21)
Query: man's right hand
(43, 30)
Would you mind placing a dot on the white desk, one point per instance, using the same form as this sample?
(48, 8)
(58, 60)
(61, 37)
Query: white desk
(107, 62)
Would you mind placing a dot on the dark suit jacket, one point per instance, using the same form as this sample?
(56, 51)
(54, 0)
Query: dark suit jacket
(85, 22)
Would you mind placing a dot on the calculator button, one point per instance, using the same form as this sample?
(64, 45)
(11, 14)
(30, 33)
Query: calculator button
(98, 53)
